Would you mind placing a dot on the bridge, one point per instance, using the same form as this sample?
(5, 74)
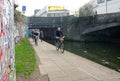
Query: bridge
(76, 27)
(104, 21)
(101, 27)
(45, 22)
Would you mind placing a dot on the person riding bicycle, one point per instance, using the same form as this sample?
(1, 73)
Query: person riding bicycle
(59, 40)
(36, 35)
(59, 34)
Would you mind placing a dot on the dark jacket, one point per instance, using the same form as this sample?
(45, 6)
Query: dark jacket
(59, 34)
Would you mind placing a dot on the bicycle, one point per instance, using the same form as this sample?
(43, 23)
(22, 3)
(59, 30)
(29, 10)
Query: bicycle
(60, 44)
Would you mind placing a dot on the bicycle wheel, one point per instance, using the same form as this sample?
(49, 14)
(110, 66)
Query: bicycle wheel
(62, 48)
(57, 46)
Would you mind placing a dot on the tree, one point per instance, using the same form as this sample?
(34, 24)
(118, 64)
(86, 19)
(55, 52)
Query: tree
(86, 10)
(19, 21)
(18, 17)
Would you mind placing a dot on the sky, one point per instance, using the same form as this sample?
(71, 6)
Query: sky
(31, 5)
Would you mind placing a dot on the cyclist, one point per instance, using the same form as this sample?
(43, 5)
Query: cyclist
(59, 40)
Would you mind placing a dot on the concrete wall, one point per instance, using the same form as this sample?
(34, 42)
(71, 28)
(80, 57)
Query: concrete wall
(75, 30)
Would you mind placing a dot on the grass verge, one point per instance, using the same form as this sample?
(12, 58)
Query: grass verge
(25, 57)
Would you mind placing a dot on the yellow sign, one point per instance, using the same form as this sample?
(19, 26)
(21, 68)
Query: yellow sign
(51, 8)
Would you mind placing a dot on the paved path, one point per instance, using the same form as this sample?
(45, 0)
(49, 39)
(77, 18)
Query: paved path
(71, 67)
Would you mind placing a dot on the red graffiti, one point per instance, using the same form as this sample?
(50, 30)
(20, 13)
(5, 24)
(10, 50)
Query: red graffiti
(1, 53)
(5, 78)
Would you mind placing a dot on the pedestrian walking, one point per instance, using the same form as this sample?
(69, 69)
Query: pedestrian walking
(36, 35)
(41, 35)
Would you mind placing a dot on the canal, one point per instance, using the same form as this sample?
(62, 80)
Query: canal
(107, 54)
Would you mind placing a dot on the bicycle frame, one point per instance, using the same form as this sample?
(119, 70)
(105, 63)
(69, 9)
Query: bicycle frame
(60, 45)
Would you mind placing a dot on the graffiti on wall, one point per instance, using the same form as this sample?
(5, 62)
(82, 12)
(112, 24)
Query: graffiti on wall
(7, 41)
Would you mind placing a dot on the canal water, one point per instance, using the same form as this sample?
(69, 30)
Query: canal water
(107, 54)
